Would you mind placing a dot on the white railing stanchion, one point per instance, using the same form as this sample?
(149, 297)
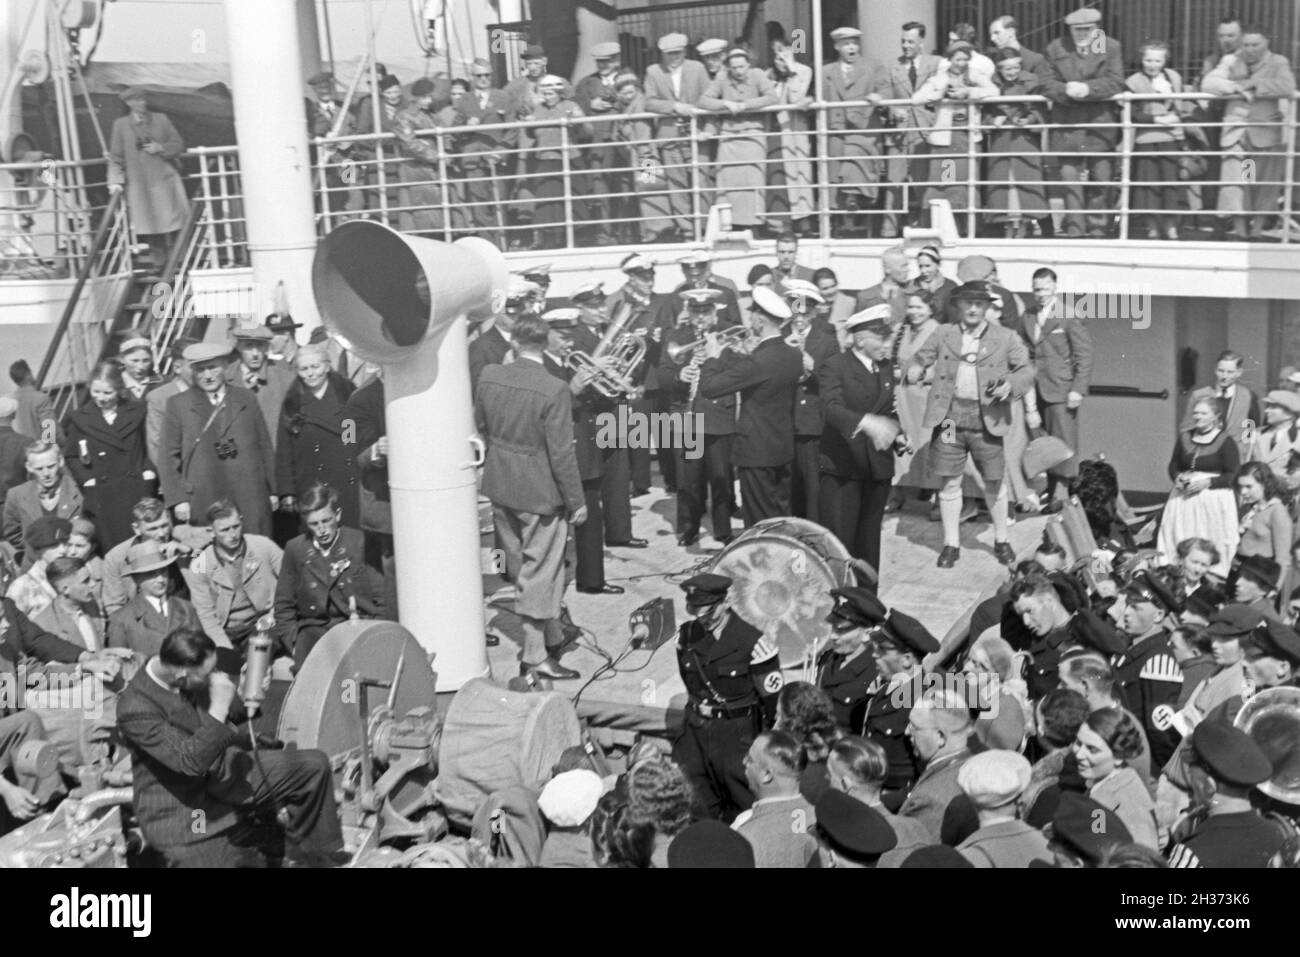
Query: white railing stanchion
(972, 167)
(1127, 142)
(444, 187)
(1289, 212)
(696, 196)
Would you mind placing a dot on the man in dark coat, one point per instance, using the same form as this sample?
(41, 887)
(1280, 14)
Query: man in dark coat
(313, 441)
(215, 445)
(767, 380)
(846, 670)
(109, 461)
(153, 613)
(493, 343)
(261, 375)
(860, 435)
(817, 341)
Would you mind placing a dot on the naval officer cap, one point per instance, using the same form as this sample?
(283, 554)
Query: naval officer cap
(519, 289)
(1275, 640)
(767, 301)
(565, 317)
(910, 633)
(874, 318)
(856, 607)
(701, 299)
(540, 274)
(696, 257)
(636, 263)
(1083, 17)
(852, 829)
(605, 51)
(706, 588)
(672, 42)
(1230, 755)
(711, 47)
(205, 352)
(802, 289)
(589, 292)
(1149, 588)
(846, 33)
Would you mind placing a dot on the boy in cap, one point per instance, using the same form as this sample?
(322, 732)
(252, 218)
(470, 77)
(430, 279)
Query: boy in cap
(860, 435)
(732, 676)
(853, 144)
(993, 781)
(767, 380)
(673, 88)
(135, 355)
(979, 369)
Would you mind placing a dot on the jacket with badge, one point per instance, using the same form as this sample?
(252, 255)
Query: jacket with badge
(1045, 656)
(848, 684)
(887, 713)
(213, 583)
(734, 670)
(720, 413)
(1146, 677)
(316, 587)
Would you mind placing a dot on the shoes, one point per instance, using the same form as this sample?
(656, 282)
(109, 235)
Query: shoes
(492, 640)
(638, 492)
(1003, 553)
(894, 504)
(548, 668)
(1052, 507)
(969, 511)
(686, 541)
(725, 540)
(948, 556)
(602, 590)
(630, 543)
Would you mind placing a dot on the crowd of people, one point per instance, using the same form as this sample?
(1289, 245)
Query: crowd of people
(739, 126)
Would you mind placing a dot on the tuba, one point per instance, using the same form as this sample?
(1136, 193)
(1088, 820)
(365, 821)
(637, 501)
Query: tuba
(1272, 718)
(616, 356)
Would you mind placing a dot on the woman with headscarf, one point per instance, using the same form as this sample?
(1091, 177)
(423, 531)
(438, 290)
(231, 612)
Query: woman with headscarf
(1203, 467)
(310, 446)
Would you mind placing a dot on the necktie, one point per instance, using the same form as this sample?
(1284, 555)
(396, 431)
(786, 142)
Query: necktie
(911, 74)
(88, 636)
(482, 101)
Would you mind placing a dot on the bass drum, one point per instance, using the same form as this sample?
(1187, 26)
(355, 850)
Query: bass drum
(783, 571)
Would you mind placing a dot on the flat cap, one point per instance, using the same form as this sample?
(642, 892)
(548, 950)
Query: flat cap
(591, 290)
(1083, 17)
(994, 778)
(706, 588)
(534, 52)
(46, 532)
(518, 288)
(637, 263)
(766, 300)
(323, 78)
(1233, 621)
(911, 633)
(1285, 398)
(133, 93)
(569, 798)
(541, 271)
(8, 407)
(974, 291)
(1086, 827)
(1147, 587)
(606, 51)
(846, 33)
(852, 829)
(1263, 571)
(710, 844)
(936, 855)
(147, 557)
(252, 334)
(1276, 640)
(856, 607)
(671, 42)
(205, 352)
(710, 47)
(874, 318)
(562, 318)
(970, 268)
(701, 297)
(422, 87)
(134, 343)
(1230, 754)
(802, 289)
(278, 322)
(696, 257)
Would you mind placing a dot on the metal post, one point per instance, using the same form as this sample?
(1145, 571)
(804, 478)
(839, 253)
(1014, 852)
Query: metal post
(205, 189)
(1288, 191)
(1125, 163)
(375, 108)
(972, 189)
(826, 190)
(695, 181)
(445, 189)
(566, 170)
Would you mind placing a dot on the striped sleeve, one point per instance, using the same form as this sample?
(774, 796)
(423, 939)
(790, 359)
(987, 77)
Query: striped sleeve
(1180, 855)
(1161, 668)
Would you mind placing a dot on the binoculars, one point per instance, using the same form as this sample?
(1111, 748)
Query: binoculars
(226, 449)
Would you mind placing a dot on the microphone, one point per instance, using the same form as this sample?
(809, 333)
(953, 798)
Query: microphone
(257, 662)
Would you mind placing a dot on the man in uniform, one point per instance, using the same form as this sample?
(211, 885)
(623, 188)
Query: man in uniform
(898, 647)
(1146, 673)
(493, 344)
(705, 475)
(854, 144)
(732, 676)
(420, 196)
(698, 274)
(540, 276)
(588, 538)
(847, 668)
(816, 343)
(673, 88)
(767, 380)
(483, 153)
(255, 371)
(860, 434)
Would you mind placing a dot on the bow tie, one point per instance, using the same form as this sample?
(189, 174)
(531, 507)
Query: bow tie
(254, 382)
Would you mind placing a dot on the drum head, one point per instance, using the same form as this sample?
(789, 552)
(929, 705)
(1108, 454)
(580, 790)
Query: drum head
(783, 584)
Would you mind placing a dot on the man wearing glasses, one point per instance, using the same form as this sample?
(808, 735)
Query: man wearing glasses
(483, 152)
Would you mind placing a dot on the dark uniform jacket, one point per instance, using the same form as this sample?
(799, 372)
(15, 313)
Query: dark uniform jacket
(1147, 676)
(820, 345)
(1045, 656)
(315, 587)
(719, 414)
(1245, 839)
(586, 406)
(887, 713)
(734, 671)
(767, 380)
(728, 308)
(848, 392)
(848, 684)
(488, 349)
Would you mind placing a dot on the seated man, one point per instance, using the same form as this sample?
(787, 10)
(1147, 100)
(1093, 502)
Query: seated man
(150, 522)
(46, 539)
(143, 622)
(49, 492)
(81, 544)
(188, 770)
(232, 581)
(73, 615)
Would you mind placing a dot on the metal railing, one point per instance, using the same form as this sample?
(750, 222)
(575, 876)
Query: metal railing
(654, 178)
(49, 213)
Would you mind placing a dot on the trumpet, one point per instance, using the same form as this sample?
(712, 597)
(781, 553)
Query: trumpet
(737, 337)
(615, 357)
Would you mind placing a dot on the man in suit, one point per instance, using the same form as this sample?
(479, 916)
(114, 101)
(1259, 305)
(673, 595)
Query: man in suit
(1061, 348)
(1238, 407)
(588, 404)
(1004, 35)
(186, 767)
(531, 475)
(150, 522)
(767, 380)
(979, 369)
(787, 263)
(484, 152)
(49, 491)
(1252, 136)
(153, 614)
(13, 447)
(73, 615)
(215, 444)
(156, 401)
(255, 371)
(233, 580)
(860, 435)
(595, 95)
(673, 88)
(907, 148)
(493, 343)
(939, 727)
(773, 765)
(1082, 76)
(895, 270)
(854, 144)
(35, 417)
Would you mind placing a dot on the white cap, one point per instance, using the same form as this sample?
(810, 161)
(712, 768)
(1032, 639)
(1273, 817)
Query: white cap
(769, 302)
(519, 288)
(995, 778)
(710, 47)
(571, 797)
(672, 41)
(801, 288)
(551, 82)
(696, 257)
(846, 33)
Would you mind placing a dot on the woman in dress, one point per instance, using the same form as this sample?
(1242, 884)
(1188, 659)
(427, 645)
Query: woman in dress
(912, 469)
(105, 449)
(310, 444)
(1157, 189)
(1203, 467)
(1107, 740)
